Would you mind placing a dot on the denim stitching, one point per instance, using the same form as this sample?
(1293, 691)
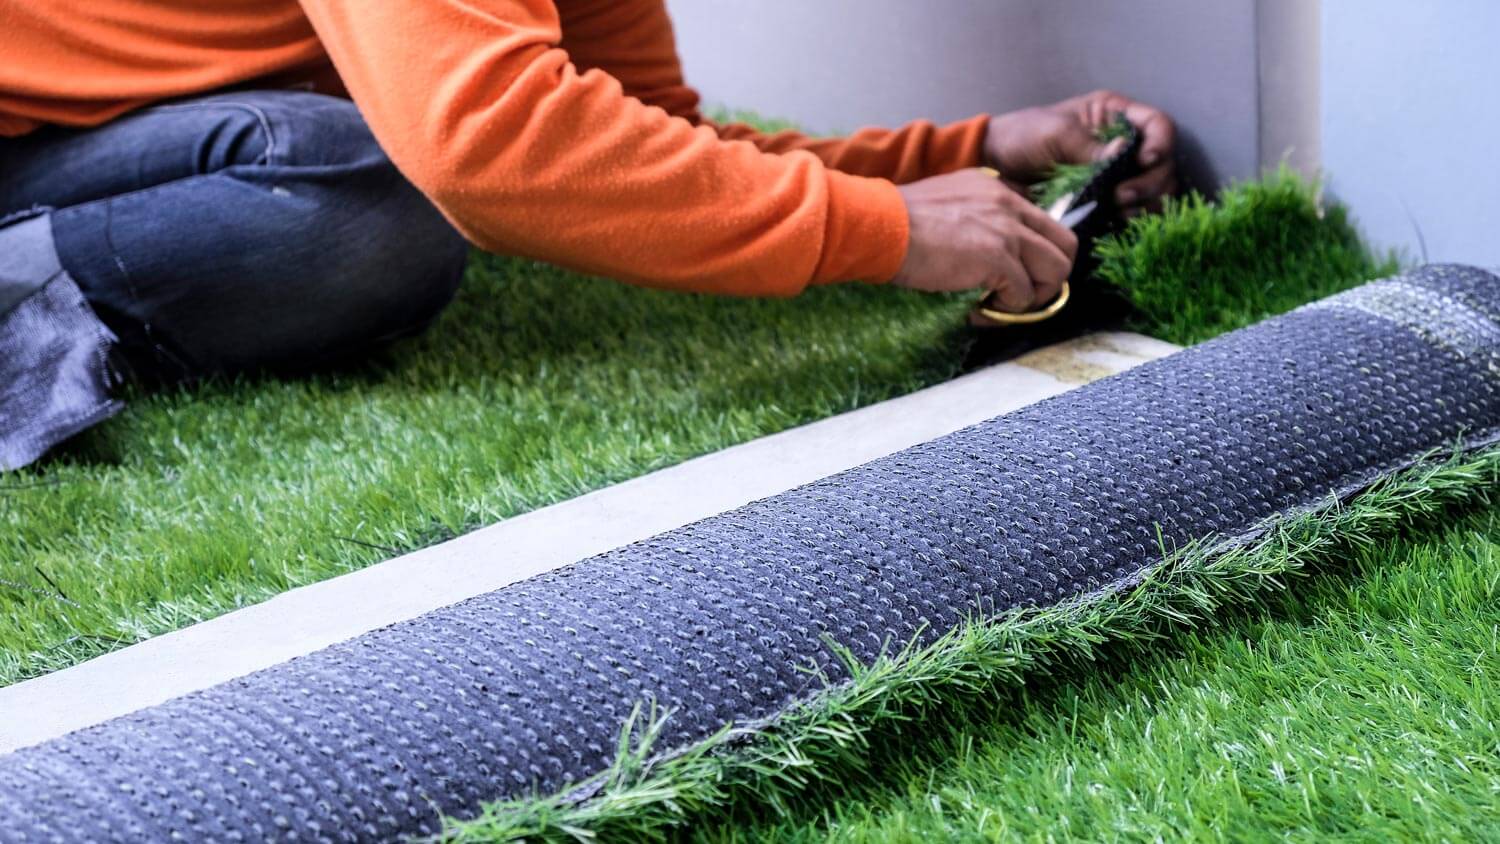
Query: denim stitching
(255, 111)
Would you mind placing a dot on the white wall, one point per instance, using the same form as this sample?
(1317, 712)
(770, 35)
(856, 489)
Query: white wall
(1290, 49)
(1411, 122)
(836, 65)
(1397, 102)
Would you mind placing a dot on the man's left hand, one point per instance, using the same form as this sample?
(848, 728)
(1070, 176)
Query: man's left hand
(1026, 145)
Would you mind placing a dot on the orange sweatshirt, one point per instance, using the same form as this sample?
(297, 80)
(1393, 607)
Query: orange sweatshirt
(556, 129)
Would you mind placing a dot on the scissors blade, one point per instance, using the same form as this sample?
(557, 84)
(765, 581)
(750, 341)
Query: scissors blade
(1072, 218)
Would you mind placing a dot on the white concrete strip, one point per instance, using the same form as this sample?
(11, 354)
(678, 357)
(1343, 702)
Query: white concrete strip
(315, 616)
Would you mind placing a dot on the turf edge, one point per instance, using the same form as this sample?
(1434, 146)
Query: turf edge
(650, 795)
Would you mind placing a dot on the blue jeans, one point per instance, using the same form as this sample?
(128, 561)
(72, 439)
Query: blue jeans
(232, 232)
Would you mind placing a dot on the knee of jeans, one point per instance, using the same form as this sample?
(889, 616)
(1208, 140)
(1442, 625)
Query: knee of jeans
(295, 128)
(411, 266)
(269, 136)
(399, 258)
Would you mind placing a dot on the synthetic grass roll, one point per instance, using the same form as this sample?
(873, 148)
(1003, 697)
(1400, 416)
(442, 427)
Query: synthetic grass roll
(525, 689)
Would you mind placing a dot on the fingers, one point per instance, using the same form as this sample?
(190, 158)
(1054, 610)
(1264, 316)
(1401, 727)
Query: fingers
(1058, 234)
(1104, 152)
(1148, 189)
(1100, 107)
(1077, 142)
(1047, 266)
(1011, 285)
(1158, 139)
(1048, 249)
(1042, 258)
(968, 231)
(1031, 278)
(1158, 134)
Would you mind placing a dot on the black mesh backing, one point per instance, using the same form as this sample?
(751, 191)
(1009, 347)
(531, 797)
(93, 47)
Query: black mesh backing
(527, 687)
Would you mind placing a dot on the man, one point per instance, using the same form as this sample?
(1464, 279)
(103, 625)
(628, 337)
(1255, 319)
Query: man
(185, 189)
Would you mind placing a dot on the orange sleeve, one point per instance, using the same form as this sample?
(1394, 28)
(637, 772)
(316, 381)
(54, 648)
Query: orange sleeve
(915, 151)
(527, 154)
(632, 40)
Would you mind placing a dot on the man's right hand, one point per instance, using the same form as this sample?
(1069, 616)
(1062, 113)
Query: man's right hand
(969, 231)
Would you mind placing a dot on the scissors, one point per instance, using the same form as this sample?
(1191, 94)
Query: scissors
(1068, 218)
(1073, 211)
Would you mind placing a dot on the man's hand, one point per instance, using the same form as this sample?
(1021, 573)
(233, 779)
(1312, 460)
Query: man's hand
(1025, 145)
(970, 231)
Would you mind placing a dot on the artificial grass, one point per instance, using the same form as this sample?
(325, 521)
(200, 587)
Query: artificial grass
(536, 386)
(1205, 268)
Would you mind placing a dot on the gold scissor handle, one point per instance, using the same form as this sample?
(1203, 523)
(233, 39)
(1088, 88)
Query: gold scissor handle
(1007, 318)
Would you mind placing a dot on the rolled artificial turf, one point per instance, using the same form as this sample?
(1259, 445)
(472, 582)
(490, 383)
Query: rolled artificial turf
(1207, 704)
(935, 725)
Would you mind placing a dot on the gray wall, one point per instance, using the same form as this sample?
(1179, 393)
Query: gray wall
(1411, 118)
(835, 65)
(1288, 38)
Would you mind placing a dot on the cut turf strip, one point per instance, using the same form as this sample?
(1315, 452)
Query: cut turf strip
(313, 617)
(720, 622)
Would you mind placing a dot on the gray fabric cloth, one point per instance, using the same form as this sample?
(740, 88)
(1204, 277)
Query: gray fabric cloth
(28, 258)
(55, 376)
(526, 688)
